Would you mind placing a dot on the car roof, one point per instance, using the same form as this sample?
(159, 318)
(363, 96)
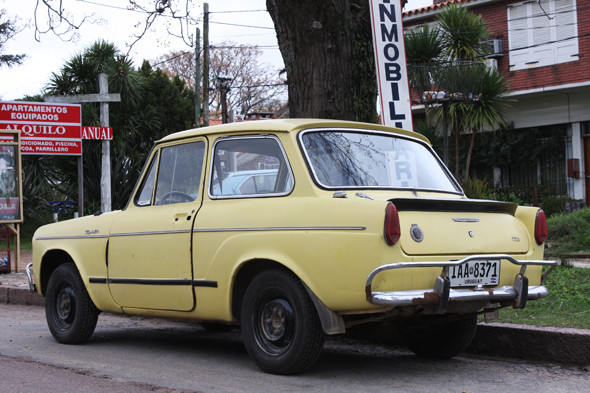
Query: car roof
(286, 125)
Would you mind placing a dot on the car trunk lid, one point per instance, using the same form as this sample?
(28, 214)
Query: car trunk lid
(460, 227)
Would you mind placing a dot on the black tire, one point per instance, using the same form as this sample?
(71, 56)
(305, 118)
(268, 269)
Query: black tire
(281, 329)
(441, 341)
(71, 314)
(216, 327)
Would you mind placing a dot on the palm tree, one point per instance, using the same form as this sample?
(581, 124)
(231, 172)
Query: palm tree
(463, 33)
(79, 75)
(490, 110)
(449, 58)
(424, 49)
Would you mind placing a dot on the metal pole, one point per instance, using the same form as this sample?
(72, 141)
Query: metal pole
(446, 133)
(105, 177)
(80, 186)
(205, 64)
(198, 79)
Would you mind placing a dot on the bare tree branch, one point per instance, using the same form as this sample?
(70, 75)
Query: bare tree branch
(8, 29)
(53, 16)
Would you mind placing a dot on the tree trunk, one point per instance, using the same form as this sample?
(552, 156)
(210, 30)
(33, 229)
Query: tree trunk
(456, 130)
(468, 161)
(328, 53)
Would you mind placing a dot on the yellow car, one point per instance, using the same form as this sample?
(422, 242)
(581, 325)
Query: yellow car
(295, 229)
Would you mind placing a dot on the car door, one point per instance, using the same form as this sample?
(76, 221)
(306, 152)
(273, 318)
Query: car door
(149, 250)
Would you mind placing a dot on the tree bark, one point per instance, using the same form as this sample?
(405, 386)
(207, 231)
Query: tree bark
(328, 53)
(468, 161)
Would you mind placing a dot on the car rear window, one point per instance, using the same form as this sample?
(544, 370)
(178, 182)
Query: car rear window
(348, 159)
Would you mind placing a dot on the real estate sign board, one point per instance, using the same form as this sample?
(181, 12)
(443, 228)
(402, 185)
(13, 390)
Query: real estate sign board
(48, 129)
(390, 59)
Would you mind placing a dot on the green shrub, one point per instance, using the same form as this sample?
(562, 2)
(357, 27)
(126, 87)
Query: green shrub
(569, 233)
(478, 189)
(506, 197)
(553, 205)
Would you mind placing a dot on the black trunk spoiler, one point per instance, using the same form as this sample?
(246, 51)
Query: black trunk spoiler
(454, 205)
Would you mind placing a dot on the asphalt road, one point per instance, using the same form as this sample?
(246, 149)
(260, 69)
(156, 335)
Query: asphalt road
(128, 354)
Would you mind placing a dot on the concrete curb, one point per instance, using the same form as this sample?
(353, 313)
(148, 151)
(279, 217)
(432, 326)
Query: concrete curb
(559, 345)
(9, 295)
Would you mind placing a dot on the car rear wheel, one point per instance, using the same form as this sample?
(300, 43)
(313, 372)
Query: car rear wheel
(441, 341)
(71, 314)
(281, 329)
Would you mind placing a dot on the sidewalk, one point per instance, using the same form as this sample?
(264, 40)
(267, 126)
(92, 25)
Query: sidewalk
(559, 345)
(14, 287)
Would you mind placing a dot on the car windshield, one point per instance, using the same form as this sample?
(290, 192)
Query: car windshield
(354, 159)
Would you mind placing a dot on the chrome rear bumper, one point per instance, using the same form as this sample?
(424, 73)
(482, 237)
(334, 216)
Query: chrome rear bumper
(442, 293)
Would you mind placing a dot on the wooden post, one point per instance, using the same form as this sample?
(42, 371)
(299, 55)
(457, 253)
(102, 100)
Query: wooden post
(15, 230)
(105, 177)
(12, 224)
(80, 186)
(104, 98)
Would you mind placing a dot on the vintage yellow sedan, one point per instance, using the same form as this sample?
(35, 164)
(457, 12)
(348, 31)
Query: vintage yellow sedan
(293, 230)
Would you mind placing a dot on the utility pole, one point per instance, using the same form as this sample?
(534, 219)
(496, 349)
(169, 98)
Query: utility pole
(205, 64)
(198, 79)
(223, 89)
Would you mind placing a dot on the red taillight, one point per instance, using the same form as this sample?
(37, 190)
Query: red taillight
(392, 230)
(540, 227)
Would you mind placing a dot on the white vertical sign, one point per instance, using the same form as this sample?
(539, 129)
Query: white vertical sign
(390, 60)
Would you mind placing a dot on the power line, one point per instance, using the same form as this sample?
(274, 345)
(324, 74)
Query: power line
(131, 10)
(253, 86)
(245, 47)
(230, 12)
(233, 24)
(172, 58)
(216, 47)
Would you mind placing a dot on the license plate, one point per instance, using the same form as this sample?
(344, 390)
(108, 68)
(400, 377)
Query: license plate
(474, 273)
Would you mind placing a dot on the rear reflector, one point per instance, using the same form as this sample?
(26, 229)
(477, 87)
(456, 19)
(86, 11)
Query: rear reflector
(541, 227)
(392, 229)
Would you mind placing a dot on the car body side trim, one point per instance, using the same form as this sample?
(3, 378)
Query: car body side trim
(71, 237)
(327, 228)
(194, 283)
(150, 233)
(359, 228)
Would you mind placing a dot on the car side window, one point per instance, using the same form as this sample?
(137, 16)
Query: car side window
(144, 197)
(179, 174)
(250, 166)
(174, 175)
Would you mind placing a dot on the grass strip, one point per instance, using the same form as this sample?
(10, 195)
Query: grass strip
(568, 303)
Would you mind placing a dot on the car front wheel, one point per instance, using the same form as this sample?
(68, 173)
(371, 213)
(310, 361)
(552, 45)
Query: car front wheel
(281, 329)
(71, 314)
(441, 341)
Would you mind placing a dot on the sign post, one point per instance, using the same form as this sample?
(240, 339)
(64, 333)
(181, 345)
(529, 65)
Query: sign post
(390, 60)
(11, 188)
(103, 98)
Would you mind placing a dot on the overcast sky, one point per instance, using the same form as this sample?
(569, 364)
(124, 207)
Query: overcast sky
(116, 25)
